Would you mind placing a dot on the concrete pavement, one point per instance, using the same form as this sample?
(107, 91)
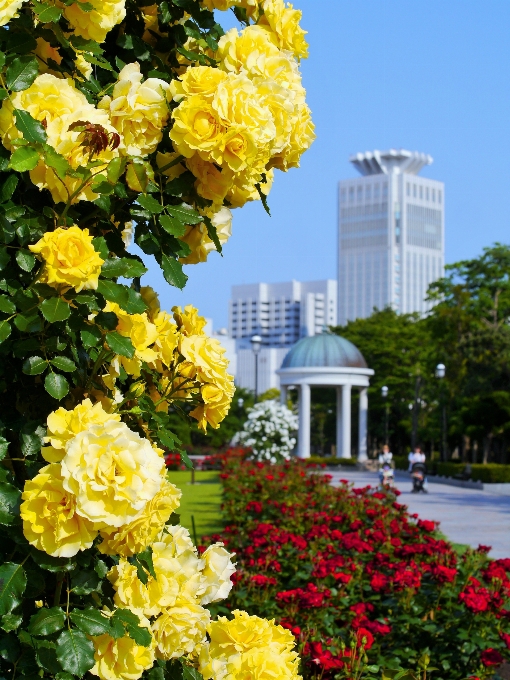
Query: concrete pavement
(468, 516)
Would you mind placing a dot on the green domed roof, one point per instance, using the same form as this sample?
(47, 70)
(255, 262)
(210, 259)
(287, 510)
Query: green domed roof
(322, 351)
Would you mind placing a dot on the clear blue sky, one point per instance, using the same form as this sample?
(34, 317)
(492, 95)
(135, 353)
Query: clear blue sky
(426, 75)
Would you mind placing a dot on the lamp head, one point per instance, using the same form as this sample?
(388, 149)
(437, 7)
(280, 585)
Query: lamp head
(240, 402)
(384, 391)
(256, 342)
(440, 371)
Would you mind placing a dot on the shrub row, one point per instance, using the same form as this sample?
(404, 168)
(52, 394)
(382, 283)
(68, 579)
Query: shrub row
(488, 473)
(361, 583)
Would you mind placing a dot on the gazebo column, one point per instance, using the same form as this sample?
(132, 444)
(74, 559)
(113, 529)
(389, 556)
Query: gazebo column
(363, 412)
(283, 395)
(343, 421)
(304, 421)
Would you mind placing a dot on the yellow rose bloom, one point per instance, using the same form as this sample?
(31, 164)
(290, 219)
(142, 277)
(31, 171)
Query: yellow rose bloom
(138, 111)
(216, 405)
(9, 9)
(179, 629)
(139, 330)
(63, 425)
(197, 128)
(113, 473)
(50, 520)
(134, 537)
(221, 5)
(216, 582)
(83, 66)
(207, 355)
(44, 51)
(69, 259)
(301, 138)
(168, 338)
(95, 25)
(246, 51)
(121, 658)
(244, 190)
(211, 183)
(189, 321)
(151, 299)
(199, 80)
(59, 104)
(283, 24)
(197, 238)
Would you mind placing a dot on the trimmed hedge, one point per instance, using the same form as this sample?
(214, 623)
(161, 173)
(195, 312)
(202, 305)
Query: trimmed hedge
(332, 461)
(491, 473)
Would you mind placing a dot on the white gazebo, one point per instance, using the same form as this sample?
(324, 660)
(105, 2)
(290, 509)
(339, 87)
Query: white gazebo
(328, 360)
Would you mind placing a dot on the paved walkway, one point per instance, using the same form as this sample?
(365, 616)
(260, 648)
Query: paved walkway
(466, 516)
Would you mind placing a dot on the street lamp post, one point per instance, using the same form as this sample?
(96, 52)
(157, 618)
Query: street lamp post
(256, 343)
(384, 393)
(240, 403)
(440, 373)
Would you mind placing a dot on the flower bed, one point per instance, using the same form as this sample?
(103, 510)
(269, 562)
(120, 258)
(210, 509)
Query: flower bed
(359, 581)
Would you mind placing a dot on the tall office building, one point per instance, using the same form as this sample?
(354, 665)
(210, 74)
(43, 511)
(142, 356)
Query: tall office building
(281, 313)
(391, 234)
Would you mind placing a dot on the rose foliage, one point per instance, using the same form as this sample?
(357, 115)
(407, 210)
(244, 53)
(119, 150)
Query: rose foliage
(365, 587)
(122, 120)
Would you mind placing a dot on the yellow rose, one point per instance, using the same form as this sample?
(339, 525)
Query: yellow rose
(244, 190)
(189, 321)
(50, 520)
(44, 51)
(212, 183)
(138, 329)
(179, 629)
(207, 355)
(216, 574)
(95, 25)
(60, 105)
(197, 128)
(151, 299)
(199, 80)
(113, 473)
(216, 405)
(134, 537)
(283, 24)
(221, 5)
(83, 66)
(301, 138)
(198, 239)
(138, 111)
(168, 338)
(8, 10)
(69, 259)
(63, 425)
(246, 51)
(121, 658)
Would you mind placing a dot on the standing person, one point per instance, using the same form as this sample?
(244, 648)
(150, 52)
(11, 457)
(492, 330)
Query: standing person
(386, 466)
(418, 470)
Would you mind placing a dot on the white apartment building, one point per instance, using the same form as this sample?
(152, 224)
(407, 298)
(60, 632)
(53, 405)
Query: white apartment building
(281, 313)
(391, 234)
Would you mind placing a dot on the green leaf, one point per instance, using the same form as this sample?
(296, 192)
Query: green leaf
(139, 634)
(64, 364)
(9, 647)
(24, 158)
(186, 460)
(31, 129)
(5, 330)
(184, 214)
(5, 258)
(34, 366)
(55, 309)
(127, 298)
(9, 501)
(4, 447)
(91, 337)
(47, 621)
(56, 385)
(13, 582)
(21, 73)
(75, 652)
(8, 188)
(120, 345)
(213, 234)
(7, 305)
(46, 13)
(11, 622)
(101, 247)
(25, 260)
(172, 226)
(145, 558)
(56, 161)
(90, 621)
(172, 271)
(124, 266)
(150, 204)
(190, 673)
(115, 169)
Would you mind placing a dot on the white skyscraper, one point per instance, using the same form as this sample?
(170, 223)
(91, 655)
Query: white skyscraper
(281, 313)
(391, 234)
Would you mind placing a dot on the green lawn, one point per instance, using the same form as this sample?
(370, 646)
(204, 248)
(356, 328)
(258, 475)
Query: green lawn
(201, 500)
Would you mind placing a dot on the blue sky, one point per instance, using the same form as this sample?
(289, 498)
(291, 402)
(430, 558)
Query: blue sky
(426, 75)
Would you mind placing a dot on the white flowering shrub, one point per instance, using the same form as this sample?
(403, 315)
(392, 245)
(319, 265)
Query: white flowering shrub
(269, 431)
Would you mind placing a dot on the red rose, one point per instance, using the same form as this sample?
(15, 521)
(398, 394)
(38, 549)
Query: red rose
(491, 657)
(506, 638)
(426, 525)
(364, 638)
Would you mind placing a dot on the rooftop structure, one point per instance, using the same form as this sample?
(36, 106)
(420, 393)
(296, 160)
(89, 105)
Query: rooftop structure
(386, 162)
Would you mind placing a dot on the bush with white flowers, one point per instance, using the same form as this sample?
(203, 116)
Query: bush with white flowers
(268, 431)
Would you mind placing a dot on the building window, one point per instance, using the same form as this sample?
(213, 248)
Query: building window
(351, 194)
(376, 191)
(439, 196)
(368, 193)
(360, 194)
(421, 193)
(414, 190)
(408, 189)
(433, 195)
(385, 190)
(427, 193)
